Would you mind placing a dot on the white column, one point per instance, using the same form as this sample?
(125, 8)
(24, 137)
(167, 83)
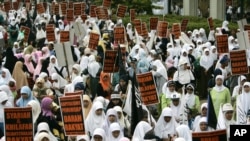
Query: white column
(190, 7)
(217, 9)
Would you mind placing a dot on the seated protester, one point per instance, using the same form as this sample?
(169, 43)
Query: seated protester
(104, 87)
(121, 88)
(168, 89)
(203, 113)
(26, 97)
(48, 116)
(4, 103)
(82, 138)
(36, 111)
(58, 84)
(202, 125)
(99, 135)
(115, 101)
(166, 124)
(192, 100)
(184, 132)
(115, 132)
(111, 117)
(123, 121)
(47, 83)
(71, 86)
(43, 127)
(183, 75)
(39, 89)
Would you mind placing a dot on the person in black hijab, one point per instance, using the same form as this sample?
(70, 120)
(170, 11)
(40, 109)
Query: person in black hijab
(10, 59)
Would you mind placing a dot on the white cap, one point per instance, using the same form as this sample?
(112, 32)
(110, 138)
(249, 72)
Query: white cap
(175, 96)
(182, 62)
(115, 96)
(227, 107)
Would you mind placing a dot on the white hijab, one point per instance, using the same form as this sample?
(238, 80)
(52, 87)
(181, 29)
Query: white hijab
(184, 132)
(225, 25)
(190, 98)
(115, 127)
(36, 109)
(230, 44)
(93, 66)
(44, 127)
(6, 89)
(166, 90)
(4, 97)
(107, 123)
(140, 130)
(205, 60)
(100, 132)
(7, 77)
(221, 87)
(160, 68)
(51, 67)
(84, 137)
(244, 98)
(61, 82)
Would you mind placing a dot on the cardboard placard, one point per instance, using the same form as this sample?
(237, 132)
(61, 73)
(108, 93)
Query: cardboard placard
(184, 24)
(83, 7)
(153, 21)
(210, 23)
(242, 39)
(45, 5)
(57, 9)
(78, 29)
(74, 93)
(222, 43)
(121, 11)
(162, 29)
(7, 6)
(18, 124)
(247, 27)
(50, 34)
(119, 35)
(238, 60)
(40, 8)
(132, 14)
(93, 40)
(15, 5)
(64, 36)
(137, 25)
(71, 4)
(109, 62)
(63, 53)
(144, 30)
(84, 17)
(106, 3)
(147, 88)
(92, 10)
(63, 7)
(102, 13)
(70, 15)
(26, 32)
(217, 135)
(72, 115)
(50, 26)
(77, 9)
(176, 30)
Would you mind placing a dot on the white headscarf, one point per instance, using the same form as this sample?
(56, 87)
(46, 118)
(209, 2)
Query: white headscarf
(183, 131)
(205, 60)
(78, 68)
(140, 130)
(122, 119)
(7, 77)
(221, 87)
(93, 121)
(36, 109)
(225, 25)
(244, 98)
(44, 127)
(163, 129)
(190, 98)
(61, 82)
(107, 123)
(80, 137)
(93, 66)
(203, 32)
(100, 132)
(115, 127)
(230, 44)
(160, 68)
(4, 97)
(6, 89)
(214, 55)
(166, 90)
(47, 83)
(51, 67)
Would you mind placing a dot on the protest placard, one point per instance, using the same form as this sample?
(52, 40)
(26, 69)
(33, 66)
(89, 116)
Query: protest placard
(92, 11)
(109, 62)
(70, 15)
(210, 23)
(71, 4)
(63, 7)
(15, 5)
(102, 13)
(50, 33)
(162, 28)
(238, 60)
(184, 24)
(106, 3)
(64, 36)
(81, 92)
(132, 15)
(147, 88)
(137, 25)
(176, 30)
(121, 11)
(144, 30)
(72, 115)
(247, 27)
(83, 7)
(18, 124)
(153, 21)
(40, 8)
(222, 43)
(77, 9)
(26, 32)
(119, 35)
(57, 9)
(93, 40)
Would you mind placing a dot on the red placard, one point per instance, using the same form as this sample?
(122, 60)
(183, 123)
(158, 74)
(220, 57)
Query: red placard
(93, 40)
(210, 23)
(109, 62)
(81, 92)
(153, 21)
(7, 6)
(77, 9)
(40, 8)
(137, 25)
(247, 27)
(71, 4)
(144, 30)
(162, 29)
(63, 7)
(102, 13)
(83, 7)
(121, 11)
(92, 10)
(64, 36)
(184, 24)
(106, 3)
(176, 30)
(238, 60)
(147, 88)
(50, 33)
(132, 14)
(119, 35)
(26, 32)
(70, 14)
(222, 43)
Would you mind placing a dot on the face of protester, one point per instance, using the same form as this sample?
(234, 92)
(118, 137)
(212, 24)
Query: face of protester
(115, 101)
(204, 111)
(203, 126)
(75, 71)
(24, 95)
(98, 112)
(167, 119)
(97, 138)
(246, 89)
(122, 82)
(112, 118)
(190, 90)
(207, 53)
(171, 88)
(45, 139)
(229, 115)
(219, 82)
(53, 60)
(85, 103)
(3, 74)
(116, 134)
(175, 102)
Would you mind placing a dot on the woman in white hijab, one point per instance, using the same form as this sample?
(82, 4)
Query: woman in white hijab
(140, 130)
(184, 132)
(58, 84)
(82, 138)
(123, 121)
(160, 74)
(203, 113)
(4, 103)
(99, 135)
(57, 35)
(111, 117)
(54, 67)
(166, 124)
(130, 31)
(192, 100)
(86, 38)
(95, 119)
(244, 97)
(183, 55)
(202, 125)
(10, 95)
(5, 77)
(36, 109)
(47, 83)
(203, 35)
(239, 88)
(231, 45)
(71, 86)
(115, 132)
(214, 53)
(224, 28)
(44, 127)
(167, 89)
